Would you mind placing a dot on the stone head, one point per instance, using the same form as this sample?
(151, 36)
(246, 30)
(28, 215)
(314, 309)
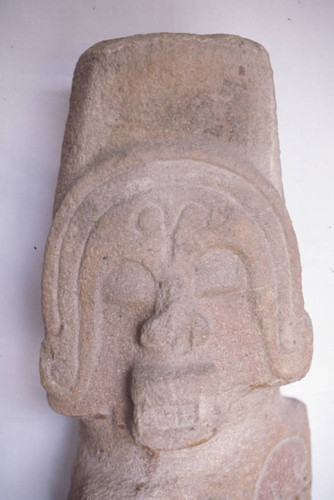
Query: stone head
(175, 296)
(172, 280)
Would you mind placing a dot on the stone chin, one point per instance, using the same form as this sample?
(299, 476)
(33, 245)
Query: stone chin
(175, 407)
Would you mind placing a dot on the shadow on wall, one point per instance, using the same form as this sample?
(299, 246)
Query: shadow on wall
(62, 432)
(51, 110)
(63, 462)
(64, 457)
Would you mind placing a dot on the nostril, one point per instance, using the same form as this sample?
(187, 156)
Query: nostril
(146, 337)
(200, 331)
(154, 334)
(167, 333)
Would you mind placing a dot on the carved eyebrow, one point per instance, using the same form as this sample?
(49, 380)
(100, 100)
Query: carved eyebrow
(194, 216)
(219, 271)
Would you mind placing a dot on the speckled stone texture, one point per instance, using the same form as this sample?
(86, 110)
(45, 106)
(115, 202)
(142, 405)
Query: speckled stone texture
(172, 286)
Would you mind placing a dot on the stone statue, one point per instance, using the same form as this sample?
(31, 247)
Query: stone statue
(172, 286)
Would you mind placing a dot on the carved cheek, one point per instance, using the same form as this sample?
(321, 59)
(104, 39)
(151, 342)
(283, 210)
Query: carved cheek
(221, 286)
(237, 342)
(124, 299)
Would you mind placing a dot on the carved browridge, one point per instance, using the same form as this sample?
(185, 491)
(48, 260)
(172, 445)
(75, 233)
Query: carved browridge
(172, 286)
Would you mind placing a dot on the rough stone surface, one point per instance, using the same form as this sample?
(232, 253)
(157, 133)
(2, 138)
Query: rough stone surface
(172, 286)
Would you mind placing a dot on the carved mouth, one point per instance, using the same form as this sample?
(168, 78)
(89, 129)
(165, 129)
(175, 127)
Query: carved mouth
(174, 407)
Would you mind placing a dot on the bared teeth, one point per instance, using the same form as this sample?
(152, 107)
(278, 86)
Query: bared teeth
(174, 408)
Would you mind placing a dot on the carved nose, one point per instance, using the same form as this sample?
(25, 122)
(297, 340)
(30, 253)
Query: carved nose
(176, 330)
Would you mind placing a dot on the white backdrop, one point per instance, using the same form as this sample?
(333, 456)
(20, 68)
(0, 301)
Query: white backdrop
(40, 42)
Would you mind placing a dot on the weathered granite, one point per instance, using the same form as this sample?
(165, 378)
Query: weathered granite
(172, 286)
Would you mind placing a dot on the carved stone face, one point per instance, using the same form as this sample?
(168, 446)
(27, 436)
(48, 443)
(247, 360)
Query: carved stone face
(172, 294)
(178, 332)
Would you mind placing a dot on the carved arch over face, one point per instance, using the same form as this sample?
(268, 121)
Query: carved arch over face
(275, 283)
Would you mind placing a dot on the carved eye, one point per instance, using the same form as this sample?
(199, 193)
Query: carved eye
(219, 272)
(129, 283)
